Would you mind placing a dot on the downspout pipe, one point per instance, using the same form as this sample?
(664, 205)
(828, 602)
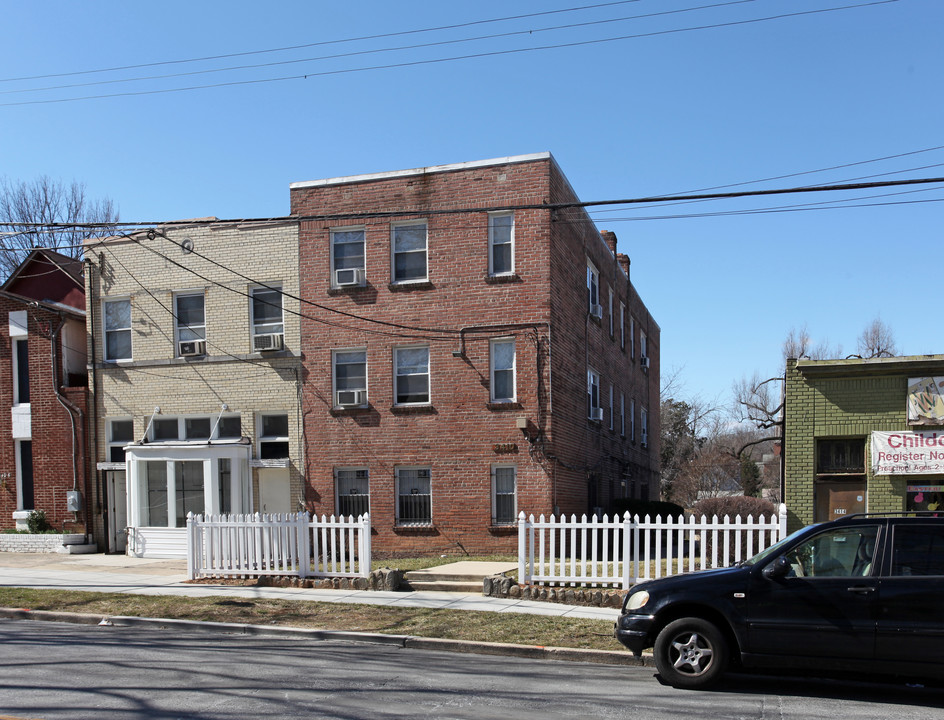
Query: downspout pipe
(73, 410)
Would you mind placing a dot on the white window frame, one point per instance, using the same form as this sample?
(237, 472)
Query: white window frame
(493, 370)
(593, 393)
(397, 375)
(593, 286)
(181, 422)
(15, 344)
(334, 373)
(117, 444)
(632, 420)
(611, 311)
(393, 251)
(612, 407)
(643, 345)
(492, 243)
(644, 427)
(333, 232)
(106, 330)
(413, 523)
(265, 328)
(632, 337)
(514, 494)
(622, 414)
(272, 438)
(622, 322)
(178, 325)
(337, 486)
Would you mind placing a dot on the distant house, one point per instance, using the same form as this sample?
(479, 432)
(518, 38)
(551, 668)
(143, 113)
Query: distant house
(196, 378)
(43, 394)
(863, 436)
(478, 349)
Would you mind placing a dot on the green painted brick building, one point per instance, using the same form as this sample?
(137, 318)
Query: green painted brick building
(863, 436)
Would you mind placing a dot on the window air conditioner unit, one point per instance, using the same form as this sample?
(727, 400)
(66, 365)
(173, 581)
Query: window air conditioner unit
(351, 276)
(270, 341)
(596, 413)
(596, 311)
(190, 348)
(352, 397)
(644, 362)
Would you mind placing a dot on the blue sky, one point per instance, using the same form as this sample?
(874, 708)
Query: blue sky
(664, 109)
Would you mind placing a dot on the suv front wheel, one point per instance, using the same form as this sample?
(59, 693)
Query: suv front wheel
(691, 653)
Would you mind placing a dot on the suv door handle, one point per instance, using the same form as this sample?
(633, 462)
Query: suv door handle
(861, 589)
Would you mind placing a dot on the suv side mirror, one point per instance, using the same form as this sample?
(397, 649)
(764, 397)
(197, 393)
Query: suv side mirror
(777, 568)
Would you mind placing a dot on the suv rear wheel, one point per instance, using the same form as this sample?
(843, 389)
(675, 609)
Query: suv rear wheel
(691, 653)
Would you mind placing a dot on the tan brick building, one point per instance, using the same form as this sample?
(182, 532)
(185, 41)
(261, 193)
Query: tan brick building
(475, 348)
(193, 332)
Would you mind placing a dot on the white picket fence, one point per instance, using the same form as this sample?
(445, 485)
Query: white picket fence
(614, 552)
(289, 544)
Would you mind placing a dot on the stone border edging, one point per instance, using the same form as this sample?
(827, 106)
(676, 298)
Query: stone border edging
(601, 657)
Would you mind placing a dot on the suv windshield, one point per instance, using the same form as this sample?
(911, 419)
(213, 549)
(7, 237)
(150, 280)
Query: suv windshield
(773, 550)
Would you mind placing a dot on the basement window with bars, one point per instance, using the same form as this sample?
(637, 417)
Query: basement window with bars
(504, 505)
(353, 491)
(414, 496)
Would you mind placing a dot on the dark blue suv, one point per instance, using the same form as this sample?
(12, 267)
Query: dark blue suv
(864, 593)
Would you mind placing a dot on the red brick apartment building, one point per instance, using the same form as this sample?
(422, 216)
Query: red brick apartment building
(43, 393)
(472, 347)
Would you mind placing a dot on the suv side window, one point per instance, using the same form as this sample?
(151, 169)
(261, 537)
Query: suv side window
(918, 550)
(841, 552)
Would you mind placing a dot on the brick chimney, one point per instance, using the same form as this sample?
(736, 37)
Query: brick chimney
(623, 261)
(609, 237)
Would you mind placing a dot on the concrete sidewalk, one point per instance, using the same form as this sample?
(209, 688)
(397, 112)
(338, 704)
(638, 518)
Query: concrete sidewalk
(145, 576)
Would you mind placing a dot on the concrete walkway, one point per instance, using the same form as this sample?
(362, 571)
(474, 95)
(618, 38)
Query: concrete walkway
(145, 576)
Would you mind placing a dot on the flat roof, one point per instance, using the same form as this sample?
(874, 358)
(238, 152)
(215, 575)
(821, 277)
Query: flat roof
(875, 366)
(422, 170)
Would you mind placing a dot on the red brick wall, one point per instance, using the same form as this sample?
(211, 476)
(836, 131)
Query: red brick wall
(456, 438)
(50, 427)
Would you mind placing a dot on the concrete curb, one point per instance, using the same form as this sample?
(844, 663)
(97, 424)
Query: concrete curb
(601, 657)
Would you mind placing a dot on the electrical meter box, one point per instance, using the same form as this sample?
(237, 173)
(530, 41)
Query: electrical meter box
(73, 501)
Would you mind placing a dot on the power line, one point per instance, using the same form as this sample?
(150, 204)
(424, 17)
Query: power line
(375, 51)
(471, 56)
(318, 44)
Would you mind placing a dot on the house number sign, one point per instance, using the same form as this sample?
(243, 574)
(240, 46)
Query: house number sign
(505, 448)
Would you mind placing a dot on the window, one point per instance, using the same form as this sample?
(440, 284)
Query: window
(593, 289)
(347, 257)
(643, 345)
(197, 428)
(843, 552)
(165, 429)
(191, 324)
(622, 328)
(21, 387)
(644, 427)
(594, 411)
(611, 312)
(229, 427)
(622, 414)
(273, 437)
(632, 420)
(504, 506)
(154, 511)
(918, 550)
(414, 496)
(225, 472)
(188, 487)
(409, 251)
(501, 243)
(503, 370)
(412, 375)
(267, 311)
(120, 433)
(25, 495)
(353, 491)
(350, 377)
(117, 321)
(612, 408)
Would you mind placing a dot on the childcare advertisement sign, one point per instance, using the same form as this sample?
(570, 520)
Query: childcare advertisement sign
(908, 453)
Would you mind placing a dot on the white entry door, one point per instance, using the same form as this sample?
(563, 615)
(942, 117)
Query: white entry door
(275, 493)
(117, 511)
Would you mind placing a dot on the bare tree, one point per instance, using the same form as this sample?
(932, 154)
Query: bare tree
(877, 341)
(32, 213)
(798, 344)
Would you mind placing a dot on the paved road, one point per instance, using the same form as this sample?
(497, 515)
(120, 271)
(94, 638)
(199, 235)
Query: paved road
(52, 671)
